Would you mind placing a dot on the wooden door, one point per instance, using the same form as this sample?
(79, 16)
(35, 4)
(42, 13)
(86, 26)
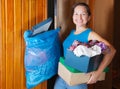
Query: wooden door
(16, 16)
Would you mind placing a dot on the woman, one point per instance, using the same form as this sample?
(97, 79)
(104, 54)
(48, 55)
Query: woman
(81, 17)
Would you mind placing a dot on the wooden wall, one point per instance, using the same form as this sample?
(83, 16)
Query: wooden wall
(16, 16)
(116, 62)
(104, 25)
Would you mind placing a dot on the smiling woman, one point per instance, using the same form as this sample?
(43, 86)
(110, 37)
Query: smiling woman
(99, 22)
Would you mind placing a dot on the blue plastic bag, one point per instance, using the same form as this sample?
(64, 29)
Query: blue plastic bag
(42, 54)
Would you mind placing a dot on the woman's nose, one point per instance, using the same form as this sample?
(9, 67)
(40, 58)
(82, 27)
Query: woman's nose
(80, 16)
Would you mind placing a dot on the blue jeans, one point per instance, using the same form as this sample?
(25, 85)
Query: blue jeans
(61, 84)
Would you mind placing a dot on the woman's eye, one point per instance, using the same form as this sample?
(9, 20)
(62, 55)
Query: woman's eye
(75, 14)
(84, 14)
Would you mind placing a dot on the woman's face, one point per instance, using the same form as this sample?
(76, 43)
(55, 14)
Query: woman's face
(80, 16)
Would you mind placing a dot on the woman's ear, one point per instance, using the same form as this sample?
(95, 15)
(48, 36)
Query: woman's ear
(89, 17)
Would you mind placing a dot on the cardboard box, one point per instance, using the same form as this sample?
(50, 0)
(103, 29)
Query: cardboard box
(83, 63)
(75, 78)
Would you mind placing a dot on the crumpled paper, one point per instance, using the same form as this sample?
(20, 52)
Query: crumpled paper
(90, 52)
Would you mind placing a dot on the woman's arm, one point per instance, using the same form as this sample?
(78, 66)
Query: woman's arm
(106, 60)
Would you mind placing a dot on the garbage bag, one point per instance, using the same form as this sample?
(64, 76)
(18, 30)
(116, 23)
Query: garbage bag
(42, 54)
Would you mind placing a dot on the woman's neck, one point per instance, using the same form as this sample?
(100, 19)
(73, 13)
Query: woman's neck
(80, 29)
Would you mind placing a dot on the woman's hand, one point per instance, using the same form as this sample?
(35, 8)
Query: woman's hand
(94, 75)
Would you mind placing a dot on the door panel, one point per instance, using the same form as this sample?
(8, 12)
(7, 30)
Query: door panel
(16, 16)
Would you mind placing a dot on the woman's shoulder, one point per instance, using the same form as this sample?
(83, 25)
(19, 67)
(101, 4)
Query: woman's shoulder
(95, 36)
(89, 29)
